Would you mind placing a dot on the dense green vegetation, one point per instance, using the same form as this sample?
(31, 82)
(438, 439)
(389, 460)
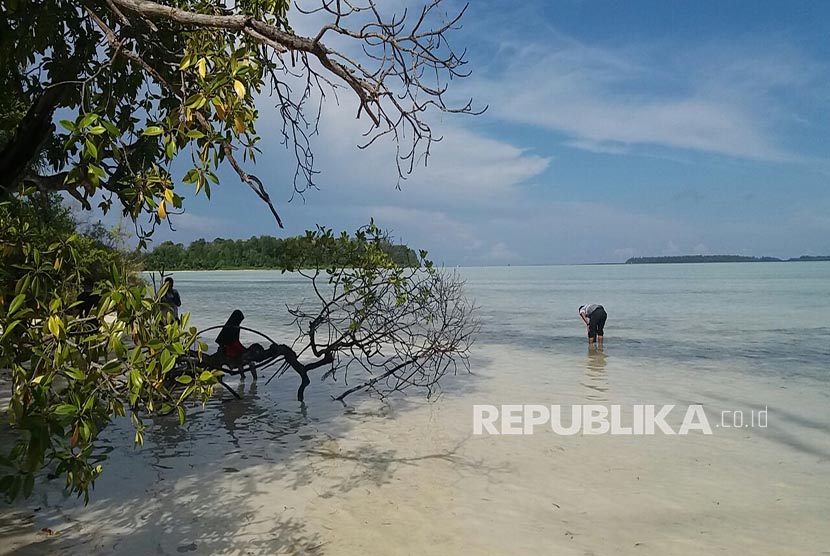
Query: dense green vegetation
(48, 221)
(808, 258)
(257, 252)
(71, 373)
(718, 259)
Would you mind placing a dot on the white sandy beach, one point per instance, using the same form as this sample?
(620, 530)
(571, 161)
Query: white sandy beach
(409, 478)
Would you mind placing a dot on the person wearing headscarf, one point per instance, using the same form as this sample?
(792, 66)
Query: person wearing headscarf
(228, 338)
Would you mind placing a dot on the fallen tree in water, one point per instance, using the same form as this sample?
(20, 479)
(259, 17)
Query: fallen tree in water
(372, 324)
(382, 328)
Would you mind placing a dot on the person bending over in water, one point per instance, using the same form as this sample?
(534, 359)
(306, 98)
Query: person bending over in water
(594, 316)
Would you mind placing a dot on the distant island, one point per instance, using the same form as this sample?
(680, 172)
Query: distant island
(263, 252)
(721, 259)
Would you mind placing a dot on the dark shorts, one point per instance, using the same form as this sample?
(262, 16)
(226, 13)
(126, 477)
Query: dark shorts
(596, 322)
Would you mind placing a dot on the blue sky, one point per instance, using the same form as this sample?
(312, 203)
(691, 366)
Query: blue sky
(614, 129)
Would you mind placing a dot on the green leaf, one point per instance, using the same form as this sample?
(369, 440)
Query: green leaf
(111, 129)
(206, 376)
(196, 101)
(153, 131)
(184, 379)
(187, 61)
(75, 373)
(68, 125)
(66, 409)
(16, 303)
(168, 364)
(53, 324)
(112, 367)
(135, 378)
(88, 120)
(191, 176)
(239, 88)
(91, 149)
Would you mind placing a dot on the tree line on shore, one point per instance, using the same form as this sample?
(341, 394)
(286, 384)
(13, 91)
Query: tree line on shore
(721, 259)
(265, 252)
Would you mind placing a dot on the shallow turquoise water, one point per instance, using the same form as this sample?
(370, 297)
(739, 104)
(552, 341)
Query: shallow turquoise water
(267, 475)
(759, 318)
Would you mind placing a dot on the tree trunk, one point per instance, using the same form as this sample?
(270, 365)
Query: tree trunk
(20, 153)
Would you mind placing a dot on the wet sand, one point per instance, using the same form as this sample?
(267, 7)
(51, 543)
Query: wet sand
(263, 476)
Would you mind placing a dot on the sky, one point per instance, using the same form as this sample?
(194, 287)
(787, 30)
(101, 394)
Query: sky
(612, 130)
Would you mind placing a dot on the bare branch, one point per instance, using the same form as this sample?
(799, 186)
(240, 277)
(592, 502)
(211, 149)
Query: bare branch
(407, 63)
(400, 331)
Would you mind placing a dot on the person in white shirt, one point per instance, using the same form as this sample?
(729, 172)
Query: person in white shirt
(594, 317)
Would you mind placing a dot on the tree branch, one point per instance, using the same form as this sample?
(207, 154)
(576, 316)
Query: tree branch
(252, 181)
(32, 131)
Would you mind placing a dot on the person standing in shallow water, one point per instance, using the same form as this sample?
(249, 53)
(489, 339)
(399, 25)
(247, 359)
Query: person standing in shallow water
(594, 317)
(170, 300)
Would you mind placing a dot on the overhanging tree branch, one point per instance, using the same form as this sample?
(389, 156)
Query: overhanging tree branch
(199, 69)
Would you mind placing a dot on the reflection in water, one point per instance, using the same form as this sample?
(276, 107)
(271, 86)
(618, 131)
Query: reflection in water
(595, 377)
(234, 414)
(253, 427)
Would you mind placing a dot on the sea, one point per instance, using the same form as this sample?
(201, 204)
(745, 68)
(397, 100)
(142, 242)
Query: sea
(407, 475)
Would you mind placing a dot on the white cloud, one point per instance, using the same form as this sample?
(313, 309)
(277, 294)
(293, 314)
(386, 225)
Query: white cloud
(606, 101)
(195, 223)
(464, 167)
(500, 253)
(189, 226)
(433, 226)
(604, 147)
(671, 248)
